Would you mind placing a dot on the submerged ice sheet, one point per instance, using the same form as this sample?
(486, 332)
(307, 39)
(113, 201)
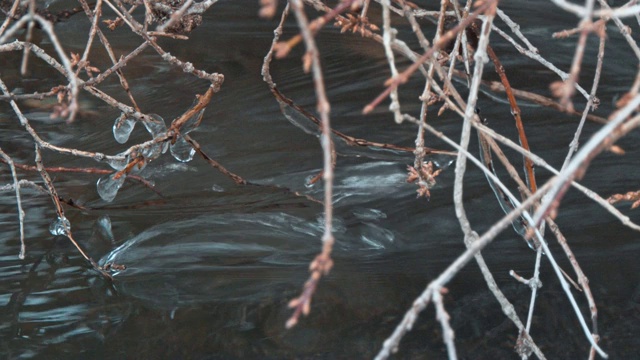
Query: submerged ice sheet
(216, 257)
(354, 184)
(369, 214)
(376, 237)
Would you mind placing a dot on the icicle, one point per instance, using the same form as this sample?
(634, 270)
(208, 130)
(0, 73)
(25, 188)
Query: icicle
(108, 186)
(182, 150)
(118, 164)
(192, 123)
(122, 128)
(151, 152)
(155, 125)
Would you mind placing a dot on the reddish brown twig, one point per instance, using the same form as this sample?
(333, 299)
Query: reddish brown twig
(533, 97)
(320, 266)
(203, 101)
(350, 140)
(268, 8)
(323, 262)
(282, 49)
(89, 170)
(515, 111)
(629, 196)
(236, 178)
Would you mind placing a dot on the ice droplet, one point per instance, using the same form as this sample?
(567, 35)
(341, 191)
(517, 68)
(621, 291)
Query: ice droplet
(122, 128)
(192, 123)
(182, 150)
(119, 162)
(155, 125)
(108, 186)
(60, 226)
(152, 152)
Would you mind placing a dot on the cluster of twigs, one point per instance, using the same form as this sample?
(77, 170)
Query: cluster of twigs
(172, 19)
(462, 35)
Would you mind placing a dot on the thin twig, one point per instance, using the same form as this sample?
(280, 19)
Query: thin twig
(533, 225)
(60, 212)
(573, 146)
(16, 184)
(388, 35)
(323, 263)
(404, 76)
(68, 72)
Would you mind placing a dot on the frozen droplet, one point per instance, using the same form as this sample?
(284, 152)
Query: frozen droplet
(118, 162)
(192, 123)
(108, 186)
(217, 188)
(122, 128)
(182, 150)
(151, 152)
(155, 125)
(60, 226)
(310, 181)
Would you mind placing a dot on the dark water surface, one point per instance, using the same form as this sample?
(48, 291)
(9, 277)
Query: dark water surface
(211, 265)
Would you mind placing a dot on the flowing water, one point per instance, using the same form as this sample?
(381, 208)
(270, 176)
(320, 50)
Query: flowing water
(211, 266)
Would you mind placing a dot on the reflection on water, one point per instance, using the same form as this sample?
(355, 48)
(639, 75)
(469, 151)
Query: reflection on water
(211, 266)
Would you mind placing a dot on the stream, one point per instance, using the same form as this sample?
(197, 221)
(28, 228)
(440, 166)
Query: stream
(211, 265)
